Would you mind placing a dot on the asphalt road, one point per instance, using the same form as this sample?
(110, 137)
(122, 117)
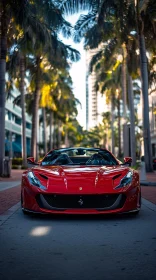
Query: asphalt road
(71, 247)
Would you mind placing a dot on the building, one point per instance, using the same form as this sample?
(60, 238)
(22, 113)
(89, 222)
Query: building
(95, 102)
(13, 129)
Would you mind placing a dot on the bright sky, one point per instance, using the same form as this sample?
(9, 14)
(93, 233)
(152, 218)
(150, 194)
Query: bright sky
(78, 74)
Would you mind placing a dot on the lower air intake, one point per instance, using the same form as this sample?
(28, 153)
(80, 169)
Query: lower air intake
(63, 202)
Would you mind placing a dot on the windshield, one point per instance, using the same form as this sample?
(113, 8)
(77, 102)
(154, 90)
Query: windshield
(79, 156)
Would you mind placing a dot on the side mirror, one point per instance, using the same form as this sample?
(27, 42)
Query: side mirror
(31, 162)
(39, 162)
(127, 160)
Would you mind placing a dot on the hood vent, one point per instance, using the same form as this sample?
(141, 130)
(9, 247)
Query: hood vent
(116, 176)
(43, 176)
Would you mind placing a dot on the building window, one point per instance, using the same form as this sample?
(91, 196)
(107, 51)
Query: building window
(6, 115)
(28, 125)
(18, 120)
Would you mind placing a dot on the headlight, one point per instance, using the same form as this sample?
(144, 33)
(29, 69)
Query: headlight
(126, 180)
(34, 181)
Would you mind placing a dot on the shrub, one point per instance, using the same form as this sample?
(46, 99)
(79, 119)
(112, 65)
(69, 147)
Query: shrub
(17, 161)
(15, 166)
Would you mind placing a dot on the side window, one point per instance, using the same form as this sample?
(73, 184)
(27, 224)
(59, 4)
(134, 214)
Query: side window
(110, 160)
(49, 159)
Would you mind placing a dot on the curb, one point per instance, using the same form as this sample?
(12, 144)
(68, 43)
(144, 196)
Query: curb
(145, 183)
(7, 214)
(8, 185)
(149, 204)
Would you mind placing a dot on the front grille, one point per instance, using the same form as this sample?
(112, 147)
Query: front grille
(63, 202)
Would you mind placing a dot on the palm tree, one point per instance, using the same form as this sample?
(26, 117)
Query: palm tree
(144, 17)
(16, 70)
(33, 21)
(109, 85)
(18, 12)
(54, 51)
(106, 36)
(125, 14)
(132, 121)
(67, 112)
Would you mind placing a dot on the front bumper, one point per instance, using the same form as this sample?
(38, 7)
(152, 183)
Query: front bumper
(36, 201)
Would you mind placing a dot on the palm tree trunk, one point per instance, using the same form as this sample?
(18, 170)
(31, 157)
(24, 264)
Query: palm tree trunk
(54, 131)
(35, 110)
(3, 52)
(44, 130)
(144, 80)
(124, 97)
(22, 90)
(124, 80)
(59, 133)
(112, 121)
(51, 126)
(66, 139)
(119, 128)
(146, 123)
(132, 120)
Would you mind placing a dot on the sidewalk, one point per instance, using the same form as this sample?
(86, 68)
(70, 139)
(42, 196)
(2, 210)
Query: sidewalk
(10, 193)
(148, 187)
(151, 178)
(16, 175)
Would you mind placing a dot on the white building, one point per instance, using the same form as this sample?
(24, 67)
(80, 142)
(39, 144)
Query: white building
(95, 102)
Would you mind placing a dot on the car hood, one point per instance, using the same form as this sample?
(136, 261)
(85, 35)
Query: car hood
(80, 179)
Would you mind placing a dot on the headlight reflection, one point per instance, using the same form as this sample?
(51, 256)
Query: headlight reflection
(40, 231)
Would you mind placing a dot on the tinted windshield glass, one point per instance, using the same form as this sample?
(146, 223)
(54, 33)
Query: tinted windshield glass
(78, 156)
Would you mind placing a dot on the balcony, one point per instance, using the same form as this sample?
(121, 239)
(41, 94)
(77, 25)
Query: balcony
(13, 127)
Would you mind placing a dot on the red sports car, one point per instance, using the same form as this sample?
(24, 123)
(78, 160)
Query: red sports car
(80, 181)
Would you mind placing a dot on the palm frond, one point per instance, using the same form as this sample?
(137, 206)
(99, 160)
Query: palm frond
(75, 6)
(106, 8)
(13, 62)
(95, 58)
(84, 23)
(110, 49)
(67, 51)
(152, 79)
(39, 30)
(143, 6)
(17, 100)
(66, 29)
(53, 17)
(9, 87)
(28, 98)
(97, 34)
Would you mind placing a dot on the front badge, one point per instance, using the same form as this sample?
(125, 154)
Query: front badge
(80, 201)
